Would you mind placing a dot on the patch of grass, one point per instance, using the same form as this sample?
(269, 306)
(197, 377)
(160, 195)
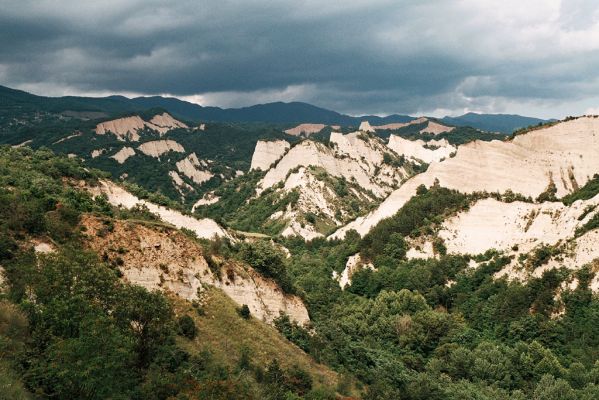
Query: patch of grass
(219, 331)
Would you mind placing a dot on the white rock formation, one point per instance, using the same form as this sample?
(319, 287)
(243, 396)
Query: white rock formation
(208, 198)
(353, 264)
(165, 122)
(156, 148)
(117, 196)
(180, 183)
(399, 125)
(194, 169)
(169, 261)
(417, 149)
(436, 128)
(366, 127)
(267, 152)
(305, 129)
(519, 228)
(354, 158)
(566, 154)
(123, 154)
(129, 127)
(97, 153)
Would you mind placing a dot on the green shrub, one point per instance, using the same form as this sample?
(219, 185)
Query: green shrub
(187, 327)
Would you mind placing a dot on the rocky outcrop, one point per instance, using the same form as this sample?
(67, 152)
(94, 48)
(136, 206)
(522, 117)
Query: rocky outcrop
(519, 228)
(366, 127)
(180, 184)
(128, 128)
(305, 129)
(357, 158)
(97, 153)
(428, 152)
(123, 154)
(117, 196)
(165, 122)
(268, 152)
(156, 148)
(353, 264)
(565, 155)
(165, 259)
(122, 128)
(436, 128)
(208, 198)
(194, 169)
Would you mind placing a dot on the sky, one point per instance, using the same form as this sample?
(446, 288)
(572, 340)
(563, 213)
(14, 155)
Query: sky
(419, 57)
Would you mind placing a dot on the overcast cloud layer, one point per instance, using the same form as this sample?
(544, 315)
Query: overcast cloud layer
(535, 57)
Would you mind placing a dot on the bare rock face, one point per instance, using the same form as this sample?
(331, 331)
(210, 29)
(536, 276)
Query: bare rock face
(354, 263)
(128, 128)
(165, 122)
(428, 152)
(267, 153)
(122, 128)
(399, 125)
(305, 129)
(436, 128)
(123, 154)
(565, 155)
(117, 196)
(518, 228)
(194, 169)
(366, 127)
(156, 148)
(355, 158)
(165, 259)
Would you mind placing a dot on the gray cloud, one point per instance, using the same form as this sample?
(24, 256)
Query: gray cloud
(378, 56)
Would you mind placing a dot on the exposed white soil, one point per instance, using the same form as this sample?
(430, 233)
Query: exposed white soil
(566, 154)
(519, 228)
(23, 144)
(194, 169)
(123, 154)
(165, 122)
(268, 152)
(305, 129)
(129, 127)
(156, 148)
(366, 127)
(353, 158)
(42, 247)
(167, 260)
(97, 153)
(425, 251)
(117, 196)
(209, 198)
(180, 184)
(64, 139)
(399, 125)
(315, 197)
(353, 264)
(416, 149)
(436, 128)
(122, 128)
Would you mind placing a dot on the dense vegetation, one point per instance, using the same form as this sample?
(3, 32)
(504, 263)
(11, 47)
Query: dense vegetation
(437, 329)
(409, 329)
(71, 329)
(588, 191)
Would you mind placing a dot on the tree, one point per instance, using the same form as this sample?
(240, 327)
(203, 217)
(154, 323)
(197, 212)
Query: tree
(187, 327)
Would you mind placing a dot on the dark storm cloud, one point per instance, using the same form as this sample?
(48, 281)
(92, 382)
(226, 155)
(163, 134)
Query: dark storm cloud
(355, 56)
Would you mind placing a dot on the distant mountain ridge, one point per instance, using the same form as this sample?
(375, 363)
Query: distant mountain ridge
(277, 112)
(504, 123)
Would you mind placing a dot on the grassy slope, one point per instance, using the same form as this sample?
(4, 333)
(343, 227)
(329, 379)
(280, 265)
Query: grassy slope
(222, 331)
